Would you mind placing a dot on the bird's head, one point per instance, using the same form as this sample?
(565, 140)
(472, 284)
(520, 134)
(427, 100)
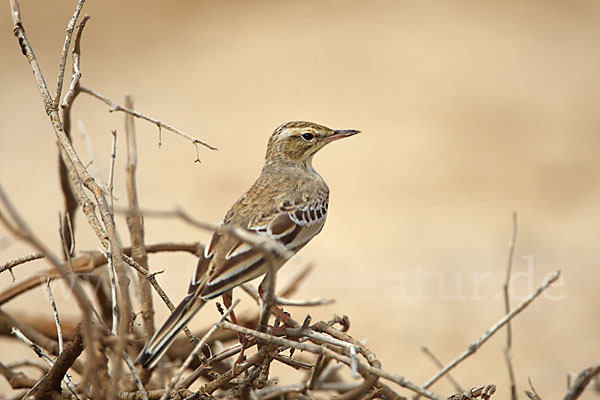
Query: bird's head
(298, 141)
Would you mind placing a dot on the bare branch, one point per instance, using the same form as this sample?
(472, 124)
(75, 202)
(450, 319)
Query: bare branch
(9, 265)
(27, 51)
(151, 278)
(17, 380)
(113, 292)
(262, 242)
(111, 171)
(583, 379)
(74, 285)
(64, 53)
(66, 183)
(65, 359)
(369, 380)
(56, 318)
(93, 165)
(483, 392)
(87, 181)
(362, 367)
(58, 372)
(508, 350)
(253, 292)
(222, 379)
(153, 395)
(116, 107)
(438, 363)
(482, 339)
(533, 395)
(303, 302)
(29, 363)
(87, 263)
(76, 55)
(136, 377)
(135, 222)
(226, 353)
(173, 382)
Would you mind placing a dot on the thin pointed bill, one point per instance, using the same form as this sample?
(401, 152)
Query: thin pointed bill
(339, 134)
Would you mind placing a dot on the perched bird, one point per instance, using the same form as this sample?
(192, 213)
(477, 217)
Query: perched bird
(287, 203)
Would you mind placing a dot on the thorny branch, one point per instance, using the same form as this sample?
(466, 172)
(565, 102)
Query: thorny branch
(9, 265)
(322, 343)
(116, 107)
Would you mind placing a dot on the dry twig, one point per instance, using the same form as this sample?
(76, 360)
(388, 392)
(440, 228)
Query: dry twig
(439, 364)
(87, 263)
(58, 369)
(64, 53)
(173, 382)
(56, 317)
(17, 380)
(581, 382)
(58, 372)
(135, 222)
(321, 339)
(262, 242)
(482, 339)
(76, 56)
(116, 107)
(507, 352)
(483, 392)
(9, 265)
(325, 351)
(22, 230)
(533, 395)
(51, 109)
(66, 181)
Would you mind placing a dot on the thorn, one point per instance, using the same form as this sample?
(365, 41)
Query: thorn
(159, 135)
(306, 322)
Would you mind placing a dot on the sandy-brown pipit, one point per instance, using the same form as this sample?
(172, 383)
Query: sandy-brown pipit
(287, 203)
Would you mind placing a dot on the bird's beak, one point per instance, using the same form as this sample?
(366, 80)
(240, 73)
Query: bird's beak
(339, 134)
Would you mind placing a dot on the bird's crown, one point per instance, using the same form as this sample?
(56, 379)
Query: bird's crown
(298, 141)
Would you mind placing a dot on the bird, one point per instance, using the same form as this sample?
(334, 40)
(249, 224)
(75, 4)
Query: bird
(288, 203)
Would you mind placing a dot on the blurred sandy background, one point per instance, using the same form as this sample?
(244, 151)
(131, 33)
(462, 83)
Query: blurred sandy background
(469, 110)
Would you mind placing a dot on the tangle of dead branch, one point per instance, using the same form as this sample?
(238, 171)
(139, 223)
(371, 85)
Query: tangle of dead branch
(91, 357)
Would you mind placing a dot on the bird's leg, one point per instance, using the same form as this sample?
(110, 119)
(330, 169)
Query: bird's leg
(283, 316)
(227, 301)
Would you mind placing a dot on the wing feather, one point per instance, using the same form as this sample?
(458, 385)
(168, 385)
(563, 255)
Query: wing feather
(235, 262)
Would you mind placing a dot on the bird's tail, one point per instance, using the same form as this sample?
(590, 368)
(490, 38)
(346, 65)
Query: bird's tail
(162, 338)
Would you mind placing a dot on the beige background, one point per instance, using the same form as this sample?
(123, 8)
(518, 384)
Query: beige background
(469, 110)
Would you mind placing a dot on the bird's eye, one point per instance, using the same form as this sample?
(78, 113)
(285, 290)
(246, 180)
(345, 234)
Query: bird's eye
(308, 136)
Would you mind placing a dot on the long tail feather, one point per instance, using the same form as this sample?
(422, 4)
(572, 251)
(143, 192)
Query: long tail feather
(162, 338)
